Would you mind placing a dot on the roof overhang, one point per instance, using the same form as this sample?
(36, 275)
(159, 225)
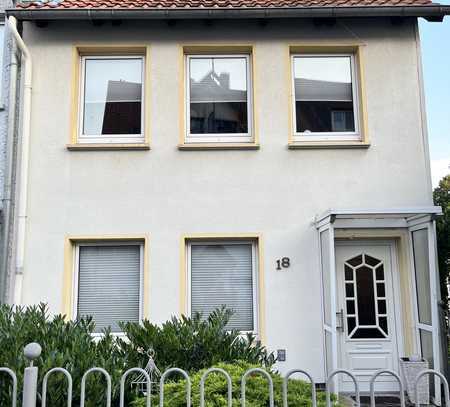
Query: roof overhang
(376, 218)
(432, 12)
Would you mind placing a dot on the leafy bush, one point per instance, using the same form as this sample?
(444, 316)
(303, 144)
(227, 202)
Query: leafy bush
(188, 343)
(192, 343)
(67, 344)
(257, 393)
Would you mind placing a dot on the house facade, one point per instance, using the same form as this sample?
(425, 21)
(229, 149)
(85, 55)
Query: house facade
(275, 162)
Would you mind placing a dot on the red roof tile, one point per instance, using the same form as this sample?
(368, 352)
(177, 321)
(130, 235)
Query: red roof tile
(214, 4)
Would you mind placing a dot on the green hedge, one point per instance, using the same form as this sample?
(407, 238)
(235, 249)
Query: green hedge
(193, 343)
(187, 343)
(257, 394)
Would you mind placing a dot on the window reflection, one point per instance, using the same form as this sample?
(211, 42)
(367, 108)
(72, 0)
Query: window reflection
(112, 96)
(218, 95)
(323, 94)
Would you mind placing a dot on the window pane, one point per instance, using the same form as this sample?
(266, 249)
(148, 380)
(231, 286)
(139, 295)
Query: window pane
(112, 96)
(323, 94)
(218, 95)
(426, 346)
(422, 270)
(109, 284)
(366, 297)
(222, 274)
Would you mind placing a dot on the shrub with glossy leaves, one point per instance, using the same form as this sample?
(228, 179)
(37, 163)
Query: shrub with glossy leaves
(188, 343)
(67, 344)
(193, 343)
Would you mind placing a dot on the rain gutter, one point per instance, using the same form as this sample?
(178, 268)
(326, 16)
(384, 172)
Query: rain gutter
(434, 12)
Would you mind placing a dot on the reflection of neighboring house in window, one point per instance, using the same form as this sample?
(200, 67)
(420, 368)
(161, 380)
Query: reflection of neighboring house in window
(211, 90)
(333, 102)
(122, 108)
(315, 90)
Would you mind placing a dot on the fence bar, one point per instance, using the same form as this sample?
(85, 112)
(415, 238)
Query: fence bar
(163, 378)
(32, 351)
(286, 382)
(69, 385)
(244, 382)
(122, 384)
(108, 385)
(14, 384)
(387, 372)
(202, 385)
(443, 379)
(349, 374)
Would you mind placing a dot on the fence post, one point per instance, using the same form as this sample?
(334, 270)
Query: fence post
(32, 351)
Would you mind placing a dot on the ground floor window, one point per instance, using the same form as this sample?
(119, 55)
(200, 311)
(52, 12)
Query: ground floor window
(108, 283)
(224, 273)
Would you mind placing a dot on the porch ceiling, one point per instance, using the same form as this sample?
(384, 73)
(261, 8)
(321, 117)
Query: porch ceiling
(380, 217)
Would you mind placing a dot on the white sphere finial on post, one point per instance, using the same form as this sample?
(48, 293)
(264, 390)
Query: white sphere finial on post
(32, 351)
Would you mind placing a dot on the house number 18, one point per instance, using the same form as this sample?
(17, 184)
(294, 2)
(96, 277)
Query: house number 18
(283, 263)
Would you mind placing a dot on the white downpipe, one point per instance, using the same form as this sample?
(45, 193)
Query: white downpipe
(25, 147)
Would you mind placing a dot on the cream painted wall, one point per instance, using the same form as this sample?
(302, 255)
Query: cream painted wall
(274, 191)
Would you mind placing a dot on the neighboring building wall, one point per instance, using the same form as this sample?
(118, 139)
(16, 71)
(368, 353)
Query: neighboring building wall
(167, 193)
(4, 103)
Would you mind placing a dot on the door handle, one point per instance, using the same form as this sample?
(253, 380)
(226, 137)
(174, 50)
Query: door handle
(340, 320)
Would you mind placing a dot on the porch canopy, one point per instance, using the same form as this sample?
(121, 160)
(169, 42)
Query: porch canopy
(417, 225)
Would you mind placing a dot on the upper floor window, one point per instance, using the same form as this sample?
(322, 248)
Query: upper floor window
(325, 90)
(112, 94)
(219, 107)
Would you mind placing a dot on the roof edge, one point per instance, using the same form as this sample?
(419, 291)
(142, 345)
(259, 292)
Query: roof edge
(432, 12)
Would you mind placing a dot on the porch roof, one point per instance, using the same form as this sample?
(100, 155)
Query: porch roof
(375, 217)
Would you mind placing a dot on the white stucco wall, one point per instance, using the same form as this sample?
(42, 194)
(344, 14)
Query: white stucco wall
(167, 193)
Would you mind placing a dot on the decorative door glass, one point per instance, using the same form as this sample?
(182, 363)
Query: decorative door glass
(365, 298)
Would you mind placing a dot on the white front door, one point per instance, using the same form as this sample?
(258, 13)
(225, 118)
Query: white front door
(368, 298)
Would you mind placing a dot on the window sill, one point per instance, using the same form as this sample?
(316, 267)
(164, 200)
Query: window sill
(218, 146)
(298, 145)
(107, 147)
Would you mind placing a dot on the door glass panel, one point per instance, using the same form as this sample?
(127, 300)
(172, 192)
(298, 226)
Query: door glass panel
(380, 290)
(366, 302)
(348, 273)
(380, 273)
(349, 290)
(365, 293)
(382, 306)
(422, 270)
(350, 307)
(371, 261)
(351, 324)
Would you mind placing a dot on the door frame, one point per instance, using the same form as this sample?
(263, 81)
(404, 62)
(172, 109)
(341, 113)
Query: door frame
(372, 223)
(392, 245)
(429, 225)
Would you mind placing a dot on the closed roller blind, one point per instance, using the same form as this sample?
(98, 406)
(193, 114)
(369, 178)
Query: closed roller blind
(108, 285)
(221, 274)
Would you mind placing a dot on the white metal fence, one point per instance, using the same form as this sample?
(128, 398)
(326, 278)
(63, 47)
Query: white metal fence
(30, 384)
